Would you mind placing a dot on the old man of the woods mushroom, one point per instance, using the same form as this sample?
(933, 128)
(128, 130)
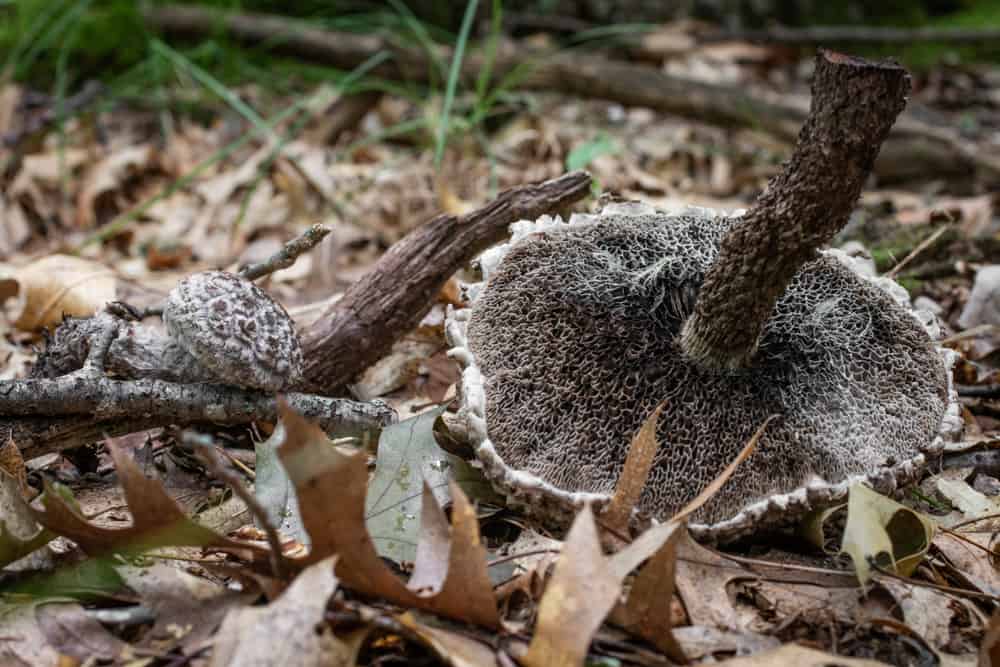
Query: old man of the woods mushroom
(582, 329)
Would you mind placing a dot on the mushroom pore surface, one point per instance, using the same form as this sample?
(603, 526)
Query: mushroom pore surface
(235, 330)
(575, 335)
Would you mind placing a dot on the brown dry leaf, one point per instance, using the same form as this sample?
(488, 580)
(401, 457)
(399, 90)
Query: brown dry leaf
(331, 488)
(38, 181)
(667, 41)
(793, 655)
(989, 650)
(59, 285)
(15, 229)
(467, 592)
(971, 564)
(699, 641)
(634, 474)
(647, 611)
(290, 630)
(970, 502)
(19, 533)
(930, 613)
(12, 463)
(53, 633)
(107, 176)
(169, 591)
(703, 577)
(578, 597)
(458, 650)
(157, 521)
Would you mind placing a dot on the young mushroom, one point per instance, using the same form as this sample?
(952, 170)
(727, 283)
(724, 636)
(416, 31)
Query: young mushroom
(235, 330)
(582, 329)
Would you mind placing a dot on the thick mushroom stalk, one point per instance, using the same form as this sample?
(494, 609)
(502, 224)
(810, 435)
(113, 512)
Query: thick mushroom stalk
(854, 104)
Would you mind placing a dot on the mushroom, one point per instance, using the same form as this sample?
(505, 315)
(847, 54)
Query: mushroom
(582, 329)
(235, 330)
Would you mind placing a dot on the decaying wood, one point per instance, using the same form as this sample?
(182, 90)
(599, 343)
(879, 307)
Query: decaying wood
(914, 143)
(399, 290)
(157, 384)
(47, 415)
(844, 35)
(854, 105)
(285, 257)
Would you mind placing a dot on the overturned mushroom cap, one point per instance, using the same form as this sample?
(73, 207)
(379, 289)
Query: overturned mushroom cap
(572, 343)
(235, 330)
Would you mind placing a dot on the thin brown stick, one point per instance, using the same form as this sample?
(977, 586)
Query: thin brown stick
(285, 257)
(205, 446)
(922, 246)
(938, 587)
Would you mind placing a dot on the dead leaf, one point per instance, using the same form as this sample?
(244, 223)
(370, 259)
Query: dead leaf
(703, 579)
(578, 597)
(793, 655)
(108, 175)
(634, 474)
(15, 229)
(457, 649)
(972, 503)
(408, 457)
(59, 285)
(157, 521)
(187, 608)
(972, 565)
(699, 641)
(467, 592)
(878, 527)
(648, 611)
(12, 463)
(331, 488)
(989, 650)
(40, 632)
(930, 613)
(19, 533)
(290, 630)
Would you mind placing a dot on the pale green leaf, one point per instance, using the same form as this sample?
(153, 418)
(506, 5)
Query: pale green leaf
(882, 531)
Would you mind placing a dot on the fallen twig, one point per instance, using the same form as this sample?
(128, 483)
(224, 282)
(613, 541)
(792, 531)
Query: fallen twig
(285, 257)
(209, 452)
(44, 415)
(843, 35)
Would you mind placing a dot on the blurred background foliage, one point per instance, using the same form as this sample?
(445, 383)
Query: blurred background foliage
(64, 42)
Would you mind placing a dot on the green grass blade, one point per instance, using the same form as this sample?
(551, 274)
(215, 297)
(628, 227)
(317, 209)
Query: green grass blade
(456, 68)
(211, 83)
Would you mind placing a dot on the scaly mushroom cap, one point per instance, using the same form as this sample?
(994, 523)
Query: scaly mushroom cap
(573, 340)
(234, 329)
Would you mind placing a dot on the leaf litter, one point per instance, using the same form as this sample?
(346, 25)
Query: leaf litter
(660, 595)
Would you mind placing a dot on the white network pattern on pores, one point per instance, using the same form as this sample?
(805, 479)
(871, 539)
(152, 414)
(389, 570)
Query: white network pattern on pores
(574, 335)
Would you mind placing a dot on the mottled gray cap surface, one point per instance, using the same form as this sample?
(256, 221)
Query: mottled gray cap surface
(575, 335)
(235, 329)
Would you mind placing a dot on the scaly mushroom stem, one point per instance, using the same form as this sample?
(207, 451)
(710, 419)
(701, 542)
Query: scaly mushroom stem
(854, 104)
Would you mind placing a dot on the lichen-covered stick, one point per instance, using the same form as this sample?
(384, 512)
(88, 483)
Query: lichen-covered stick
(44, 415)
(580, 330)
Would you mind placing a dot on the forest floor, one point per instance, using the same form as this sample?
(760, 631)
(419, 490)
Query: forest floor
(120, 201)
